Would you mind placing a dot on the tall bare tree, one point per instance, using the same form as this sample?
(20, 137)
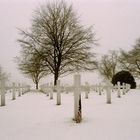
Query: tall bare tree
(131, 60)
(31, 65)
(107, 66)
(59, 39)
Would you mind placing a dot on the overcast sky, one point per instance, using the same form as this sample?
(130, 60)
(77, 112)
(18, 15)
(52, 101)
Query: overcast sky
(116, 22)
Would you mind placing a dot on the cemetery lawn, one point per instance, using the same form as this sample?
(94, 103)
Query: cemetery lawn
(34, 116)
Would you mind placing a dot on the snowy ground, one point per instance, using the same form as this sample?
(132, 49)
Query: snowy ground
(35, 117)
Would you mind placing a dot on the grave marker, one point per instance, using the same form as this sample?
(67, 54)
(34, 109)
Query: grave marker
(108, 93)
(77, 99)
(58, 89)
(51, 90)
(118, 90)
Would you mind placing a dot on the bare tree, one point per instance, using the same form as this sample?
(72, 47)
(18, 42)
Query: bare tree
(59, 39)
(3, 75)
(131, 60)
(107, 66)
(31, 65)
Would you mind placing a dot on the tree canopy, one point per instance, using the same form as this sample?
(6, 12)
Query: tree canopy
(58, 38)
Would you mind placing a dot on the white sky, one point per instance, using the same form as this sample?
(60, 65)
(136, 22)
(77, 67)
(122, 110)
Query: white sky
(116, 23)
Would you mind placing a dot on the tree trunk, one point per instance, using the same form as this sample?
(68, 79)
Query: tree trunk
(36, 85)
(55, 78)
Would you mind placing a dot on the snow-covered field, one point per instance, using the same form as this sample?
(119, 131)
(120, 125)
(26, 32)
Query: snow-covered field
(35, 117)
